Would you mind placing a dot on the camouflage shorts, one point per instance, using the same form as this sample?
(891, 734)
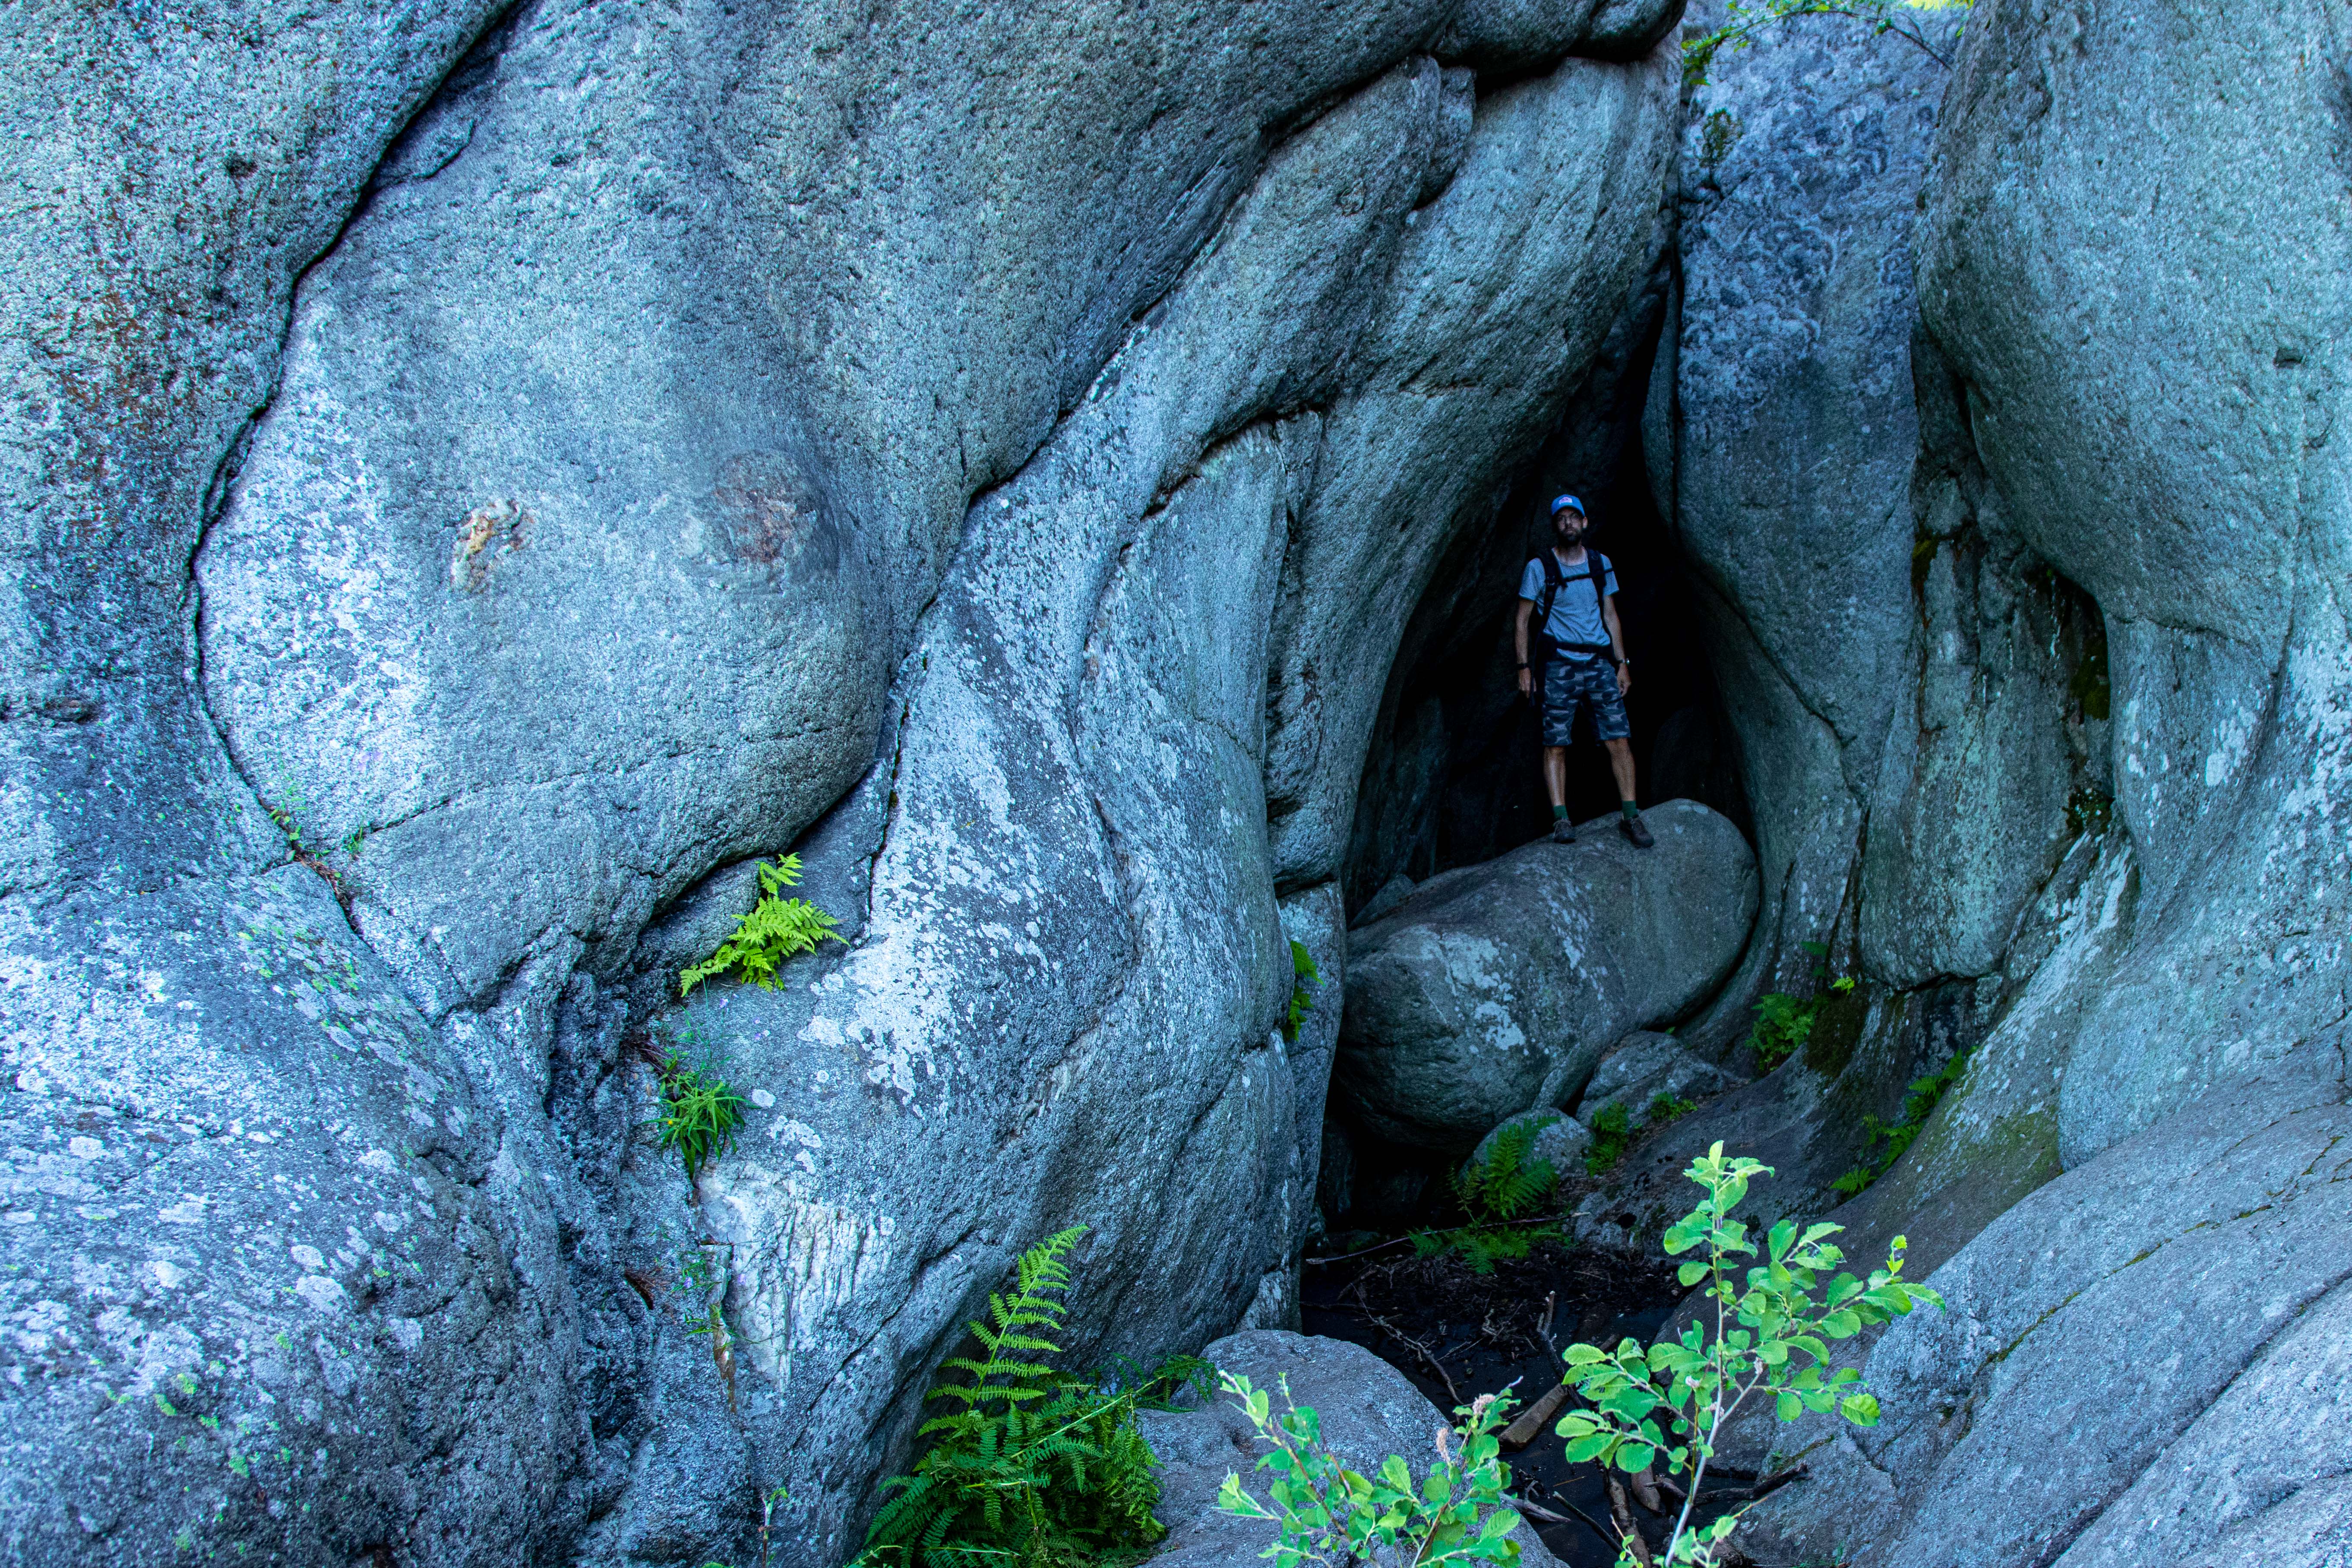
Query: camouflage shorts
(1591, 683)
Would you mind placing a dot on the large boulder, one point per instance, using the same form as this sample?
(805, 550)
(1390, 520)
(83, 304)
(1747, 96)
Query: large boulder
(1496, 988)
(1367, 1409)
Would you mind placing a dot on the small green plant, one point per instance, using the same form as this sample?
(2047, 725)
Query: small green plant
(1031, 1468)
(700, 1114)
(1783, 1022)
(1303, 974)
(1889, 1140)
(1613, 1134)
(1744, 22)
(1717, 133)
(1666, 1107)
(1770, 1339)
(1330, 1515)
(777, 928)
(1499, 1192)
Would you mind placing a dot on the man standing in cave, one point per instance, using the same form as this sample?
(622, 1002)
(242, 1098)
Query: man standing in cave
(1569, 593)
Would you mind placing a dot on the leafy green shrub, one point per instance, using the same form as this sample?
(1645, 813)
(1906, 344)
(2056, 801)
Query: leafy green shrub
(700, 1114)
(1031, 1468)
(1499, 1193)
(776, 929)
(1329, 1514)
(1303, 974)
(1743, 22)
(1888, 1140)
(1783, 1316)
(1613, 1134)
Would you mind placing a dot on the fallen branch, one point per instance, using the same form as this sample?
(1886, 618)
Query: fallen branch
(1422, 1350)
(1531, 1421)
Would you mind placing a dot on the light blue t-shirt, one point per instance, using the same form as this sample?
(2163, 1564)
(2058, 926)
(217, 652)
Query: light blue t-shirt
(1574, 616)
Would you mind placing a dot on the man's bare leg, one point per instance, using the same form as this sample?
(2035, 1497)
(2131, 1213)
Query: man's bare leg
(1555, 765)
(1621, 762)
(1556, 774)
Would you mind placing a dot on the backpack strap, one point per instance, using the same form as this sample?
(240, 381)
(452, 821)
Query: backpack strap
(1554, 580)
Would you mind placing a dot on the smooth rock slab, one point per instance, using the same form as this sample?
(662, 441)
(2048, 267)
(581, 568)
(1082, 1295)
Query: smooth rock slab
(1493, 989)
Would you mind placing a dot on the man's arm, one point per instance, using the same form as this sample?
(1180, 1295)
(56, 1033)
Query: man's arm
(1520, 638)
(1616, 643)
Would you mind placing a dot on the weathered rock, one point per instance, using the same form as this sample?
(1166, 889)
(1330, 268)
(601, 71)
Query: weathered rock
(1496, 988)
(670, 440)
(1643, 1066)
(2177, 1050)
(2195, 1278)
(1790, 435)
(1369, 1411)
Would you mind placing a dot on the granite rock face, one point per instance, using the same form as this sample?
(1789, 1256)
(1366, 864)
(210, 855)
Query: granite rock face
(2137, 1186)
(482, 476)
(1495, 989)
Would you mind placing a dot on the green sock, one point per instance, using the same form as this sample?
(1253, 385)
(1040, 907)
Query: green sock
(1630, 809)
(1559, 813)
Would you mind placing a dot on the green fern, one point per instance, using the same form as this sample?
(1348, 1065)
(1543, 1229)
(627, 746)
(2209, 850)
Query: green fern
(776, 929)
(1303, 974)
(1499, 1193)
(1613, 1134)
(1031, 1468)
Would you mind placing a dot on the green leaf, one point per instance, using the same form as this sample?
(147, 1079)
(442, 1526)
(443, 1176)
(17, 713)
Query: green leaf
(1788, 1406)
(1634, 1457)
(1690, 1273)
(1861, 1409)
(1590, 1446)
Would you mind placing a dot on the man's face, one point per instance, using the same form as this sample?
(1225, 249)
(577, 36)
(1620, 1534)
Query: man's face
(1569, 524)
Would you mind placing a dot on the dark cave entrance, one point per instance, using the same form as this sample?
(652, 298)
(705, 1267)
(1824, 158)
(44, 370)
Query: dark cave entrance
(1452, 776)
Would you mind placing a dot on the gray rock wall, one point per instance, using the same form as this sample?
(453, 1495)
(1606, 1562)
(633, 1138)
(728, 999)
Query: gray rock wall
(476, 488)
(2130, 294)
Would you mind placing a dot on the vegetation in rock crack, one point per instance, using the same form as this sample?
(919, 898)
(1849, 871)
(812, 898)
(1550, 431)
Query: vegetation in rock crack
(1783, 1022)
(777, 928)
(1499, 1194)
(1613, 1134)
(704, 1280)
(1665, 1108)
(2089, 811)
(700, 1114)
(1745, 22)
(1888, 1140)
(1029, 1467)
(1303, 974)
(1765, 1335)
(1328, 1514)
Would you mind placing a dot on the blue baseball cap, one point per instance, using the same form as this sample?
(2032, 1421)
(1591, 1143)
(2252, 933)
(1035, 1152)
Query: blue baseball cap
(1562, 503)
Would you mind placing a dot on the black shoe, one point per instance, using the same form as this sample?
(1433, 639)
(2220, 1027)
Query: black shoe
(1636, 831)
(1563, 831)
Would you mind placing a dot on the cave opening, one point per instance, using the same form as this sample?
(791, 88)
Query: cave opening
(1452, 776)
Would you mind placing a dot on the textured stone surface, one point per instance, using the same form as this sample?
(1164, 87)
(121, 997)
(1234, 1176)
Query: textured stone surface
(521, 477)
(1643, 1066)
(1369, 1411)
(1793, 436)
(2174, 1044)
(1495, 989)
